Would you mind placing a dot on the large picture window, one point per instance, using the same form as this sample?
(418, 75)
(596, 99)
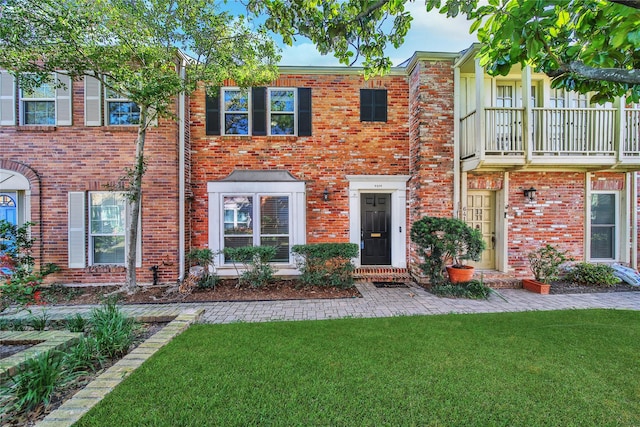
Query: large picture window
(603, 226)
(265, 223)
(107, 221)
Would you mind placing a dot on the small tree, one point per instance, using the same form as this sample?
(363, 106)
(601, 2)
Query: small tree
(132, 48)
(545, 263)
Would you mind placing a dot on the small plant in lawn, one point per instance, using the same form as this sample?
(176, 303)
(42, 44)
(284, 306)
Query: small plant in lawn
(255, 259)
(113, 331)
(593, 275)
(545, 263)
(38, 323)
(36, 380)
(76, 323)
(326, 264)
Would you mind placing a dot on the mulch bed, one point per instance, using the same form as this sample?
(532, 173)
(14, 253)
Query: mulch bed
(225, 290)
(572, 288)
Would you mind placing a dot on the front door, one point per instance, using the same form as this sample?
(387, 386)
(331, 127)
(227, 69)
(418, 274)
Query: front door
(8, 209)
(481, 215)
(375, 229)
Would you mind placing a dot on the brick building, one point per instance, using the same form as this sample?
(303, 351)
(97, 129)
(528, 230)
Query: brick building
(323, 155)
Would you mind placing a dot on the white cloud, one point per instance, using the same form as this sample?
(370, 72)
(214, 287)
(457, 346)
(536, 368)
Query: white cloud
(305, 53)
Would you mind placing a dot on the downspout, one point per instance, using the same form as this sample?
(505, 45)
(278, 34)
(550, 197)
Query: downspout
(181, 177)
(634, 221)
(456, 143)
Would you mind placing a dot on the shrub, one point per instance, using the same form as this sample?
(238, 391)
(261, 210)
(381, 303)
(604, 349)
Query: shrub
(441, 240)
(113, 331)
(84, 356)
(204, 258)
(593, 275)
(36, 380)
(545, 263)
(474, 289)
(75, 323)
(38, 323)
(255, 260)
(326, 264)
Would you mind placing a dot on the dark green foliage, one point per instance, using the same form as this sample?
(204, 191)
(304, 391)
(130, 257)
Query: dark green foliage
(255, 260)
(84, 356)
(36, 381)
(593, 275)
(38, 323)
(204, 258)
(113, 331)
(442, 240)
(545, 263)
(474, 289)
(76, 323)
(12, 324)
(326, 264)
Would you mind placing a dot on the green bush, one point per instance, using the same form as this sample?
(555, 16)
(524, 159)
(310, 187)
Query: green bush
(593, 275)
(75, 323)
(442, 240)
(36, 380)
(84, 356)
(204, 258)
(255, 260)
(474, 289)
(326, 264)
(113, 331)
(545, 263)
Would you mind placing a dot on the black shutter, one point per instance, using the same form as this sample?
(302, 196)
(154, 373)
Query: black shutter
(259, 110)
(212, 115)
(380, 105)
(304, 111)
(366, 105)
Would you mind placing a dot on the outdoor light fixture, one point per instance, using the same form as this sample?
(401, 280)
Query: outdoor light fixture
(325, 195)
(529, 193)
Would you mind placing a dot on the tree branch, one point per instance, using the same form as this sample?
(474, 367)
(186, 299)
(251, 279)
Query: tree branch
(375, 6)
(616, 75)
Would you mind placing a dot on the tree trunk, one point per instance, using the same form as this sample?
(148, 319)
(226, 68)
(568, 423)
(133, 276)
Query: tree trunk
(134, 197)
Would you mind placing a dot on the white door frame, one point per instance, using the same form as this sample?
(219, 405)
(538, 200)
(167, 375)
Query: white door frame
(396, 186)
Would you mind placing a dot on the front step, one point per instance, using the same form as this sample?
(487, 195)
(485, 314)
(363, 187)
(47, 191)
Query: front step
(382, 274)
(498, 280)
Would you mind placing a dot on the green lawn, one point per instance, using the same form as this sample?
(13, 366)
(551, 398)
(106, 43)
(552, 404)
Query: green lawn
(560, 368)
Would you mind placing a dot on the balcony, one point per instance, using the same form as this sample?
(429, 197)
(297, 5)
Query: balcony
(548, 138)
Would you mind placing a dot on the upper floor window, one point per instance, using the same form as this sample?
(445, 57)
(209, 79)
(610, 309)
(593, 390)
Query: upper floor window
(39, 105)
(46, 105)
(120, 111)
(259, 111)
(373, 105)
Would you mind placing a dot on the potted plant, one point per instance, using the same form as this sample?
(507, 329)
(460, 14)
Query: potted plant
(545, 264)
(444, 240)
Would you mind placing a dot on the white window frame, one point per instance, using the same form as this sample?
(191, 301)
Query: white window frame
(217, 190)
(616, 226)
(109, 99)
(224, 111)
(24, 99)
(93, 234)
(293, 113)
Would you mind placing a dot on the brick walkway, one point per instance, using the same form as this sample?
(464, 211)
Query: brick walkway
(376, 302)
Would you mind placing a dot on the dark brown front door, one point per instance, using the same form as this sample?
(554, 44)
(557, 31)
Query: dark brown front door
(376, 224)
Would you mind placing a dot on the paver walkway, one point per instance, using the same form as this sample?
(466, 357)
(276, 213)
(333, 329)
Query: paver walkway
(376, 302)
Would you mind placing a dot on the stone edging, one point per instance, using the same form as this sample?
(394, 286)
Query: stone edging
(73, 409)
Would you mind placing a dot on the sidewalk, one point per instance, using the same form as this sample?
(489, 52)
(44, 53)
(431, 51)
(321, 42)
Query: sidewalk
(375, 302)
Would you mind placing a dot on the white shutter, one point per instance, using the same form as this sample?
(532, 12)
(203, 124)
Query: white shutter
(64, 113)
(92, 102)
(7, 99)
(76, 227)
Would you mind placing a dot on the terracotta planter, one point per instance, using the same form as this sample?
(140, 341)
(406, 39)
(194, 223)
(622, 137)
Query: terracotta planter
(535, 286)
(460, 274)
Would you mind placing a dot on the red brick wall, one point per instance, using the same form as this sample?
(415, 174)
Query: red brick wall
(79, 158)
(340, 145)
(431, 142)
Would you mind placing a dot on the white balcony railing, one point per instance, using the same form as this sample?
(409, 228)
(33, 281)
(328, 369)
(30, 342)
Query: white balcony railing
(554, 131)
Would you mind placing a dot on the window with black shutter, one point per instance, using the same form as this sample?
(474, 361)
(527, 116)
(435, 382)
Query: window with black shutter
(373, 105)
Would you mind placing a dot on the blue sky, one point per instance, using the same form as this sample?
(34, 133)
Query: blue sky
(431, 32)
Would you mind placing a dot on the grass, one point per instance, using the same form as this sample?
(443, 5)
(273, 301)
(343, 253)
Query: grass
(570, 368)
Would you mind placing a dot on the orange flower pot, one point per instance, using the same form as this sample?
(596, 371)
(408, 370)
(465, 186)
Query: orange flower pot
(535, 286)
(460, 274)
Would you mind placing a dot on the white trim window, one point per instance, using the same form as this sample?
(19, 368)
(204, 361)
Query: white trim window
(282, 111)
(235, 111)
(603, 235)
(119, 110)
(48, 104)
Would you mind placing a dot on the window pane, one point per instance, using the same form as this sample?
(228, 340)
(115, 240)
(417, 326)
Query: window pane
(238, 213)
(282, 100)
(281, 244)
(274, 215)
(45, 90)
(282, 124)
(39, 113)
(107, 213)
(108, 249)
(602, 242)
(123, 113)
(236, 242)
(236, 124)
(603, 209)
(236, 100)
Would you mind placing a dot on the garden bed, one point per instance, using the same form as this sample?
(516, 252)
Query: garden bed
(573, 288)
